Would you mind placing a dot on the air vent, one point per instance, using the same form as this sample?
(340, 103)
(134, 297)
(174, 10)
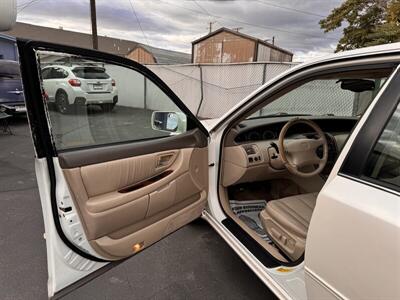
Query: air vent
(249, 149)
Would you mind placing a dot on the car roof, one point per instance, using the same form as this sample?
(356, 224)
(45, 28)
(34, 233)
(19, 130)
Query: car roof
(72, 66)
(373, 50)
(86, 66)
(55, 66)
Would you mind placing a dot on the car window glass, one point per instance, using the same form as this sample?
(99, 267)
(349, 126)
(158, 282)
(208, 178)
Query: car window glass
(46, 73)
(120, 105)
(58, 73)
(383, 164)
(345, 96)
(90, 72)
(9, 69)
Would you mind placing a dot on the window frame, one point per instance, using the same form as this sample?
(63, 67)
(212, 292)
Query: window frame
(37, 112)
(363, 145)
(60, 70)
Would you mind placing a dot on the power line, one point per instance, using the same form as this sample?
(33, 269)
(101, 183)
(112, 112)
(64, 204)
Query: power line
(202, 8)
(251, 24)
(206, 11)
(291, 9)
(268, 3)
(27, 4)
(210, 24)
(138, 21)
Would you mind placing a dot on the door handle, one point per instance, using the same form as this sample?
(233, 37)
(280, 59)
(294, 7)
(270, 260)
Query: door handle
(164, 160)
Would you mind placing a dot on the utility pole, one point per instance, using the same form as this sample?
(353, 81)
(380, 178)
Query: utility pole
(94, 24)
(237, 29)
(210, 26)
(272, 40)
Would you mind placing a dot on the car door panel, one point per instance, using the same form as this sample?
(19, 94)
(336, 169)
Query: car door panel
(110, 184)
(367, 229)
(88, 156)
(112, 214)
(352, 249)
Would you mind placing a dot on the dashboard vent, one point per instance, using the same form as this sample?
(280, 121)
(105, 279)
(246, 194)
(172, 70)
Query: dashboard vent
(249, 149)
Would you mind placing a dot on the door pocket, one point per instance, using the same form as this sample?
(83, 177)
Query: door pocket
(162, 199)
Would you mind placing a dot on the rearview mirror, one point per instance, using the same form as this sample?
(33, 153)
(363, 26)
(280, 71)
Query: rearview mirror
(8, 14)
(357, 85)
(167, 121)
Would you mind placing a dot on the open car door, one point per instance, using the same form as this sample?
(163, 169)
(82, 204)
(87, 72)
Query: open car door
(120, 161)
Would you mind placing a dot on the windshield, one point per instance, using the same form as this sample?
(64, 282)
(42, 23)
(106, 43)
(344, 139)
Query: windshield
(332, 97)
(90, 73)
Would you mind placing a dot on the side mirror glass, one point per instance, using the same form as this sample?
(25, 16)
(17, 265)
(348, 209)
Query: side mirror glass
(8, 14)
(167, 121)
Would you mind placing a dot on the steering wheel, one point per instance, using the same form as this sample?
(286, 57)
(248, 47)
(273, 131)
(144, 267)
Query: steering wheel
(298, 153)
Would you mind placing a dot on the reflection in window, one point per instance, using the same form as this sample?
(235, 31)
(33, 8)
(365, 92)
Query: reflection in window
(95, 103)
(384, 161)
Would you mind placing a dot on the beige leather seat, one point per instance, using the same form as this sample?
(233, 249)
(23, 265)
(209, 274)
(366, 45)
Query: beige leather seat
(286, 221)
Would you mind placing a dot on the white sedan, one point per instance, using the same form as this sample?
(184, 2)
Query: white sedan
(301, 178)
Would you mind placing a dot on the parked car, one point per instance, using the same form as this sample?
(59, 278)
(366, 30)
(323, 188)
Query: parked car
(11, 93)
(69, 87)
(301, 178)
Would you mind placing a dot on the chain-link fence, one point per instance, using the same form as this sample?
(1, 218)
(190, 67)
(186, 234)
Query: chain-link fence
(210, 90)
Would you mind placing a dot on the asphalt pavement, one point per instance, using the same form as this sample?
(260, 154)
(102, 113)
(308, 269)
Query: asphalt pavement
(192, 263)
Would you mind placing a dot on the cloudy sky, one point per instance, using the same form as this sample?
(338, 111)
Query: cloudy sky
(173, 24)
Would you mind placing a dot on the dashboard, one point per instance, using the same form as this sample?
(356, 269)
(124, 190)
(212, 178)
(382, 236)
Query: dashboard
(251, 152)
(254, 130)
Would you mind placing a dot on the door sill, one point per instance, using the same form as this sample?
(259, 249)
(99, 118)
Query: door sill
(248, 258)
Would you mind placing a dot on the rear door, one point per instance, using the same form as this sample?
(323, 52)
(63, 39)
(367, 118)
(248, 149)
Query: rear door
(353, 243)
(111, 185)
(10, 84)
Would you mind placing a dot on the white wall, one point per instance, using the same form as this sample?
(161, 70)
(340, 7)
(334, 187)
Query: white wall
(130, 85)
(221, 85)
(217, 86)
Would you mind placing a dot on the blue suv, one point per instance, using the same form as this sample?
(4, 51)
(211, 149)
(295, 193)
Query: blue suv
(11, 91)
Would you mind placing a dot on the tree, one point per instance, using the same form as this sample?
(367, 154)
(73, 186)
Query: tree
(368, 22)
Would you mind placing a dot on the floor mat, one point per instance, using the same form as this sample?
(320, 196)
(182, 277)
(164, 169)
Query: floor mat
(248, 212)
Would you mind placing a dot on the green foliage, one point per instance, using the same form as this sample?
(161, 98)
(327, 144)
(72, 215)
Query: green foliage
(367, 23)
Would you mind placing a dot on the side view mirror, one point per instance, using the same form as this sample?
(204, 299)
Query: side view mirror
(169, 121)
(8, 14)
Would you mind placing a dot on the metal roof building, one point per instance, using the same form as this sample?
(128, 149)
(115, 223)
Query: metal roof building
(115, 46)
(228, 46)
(151, 55)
